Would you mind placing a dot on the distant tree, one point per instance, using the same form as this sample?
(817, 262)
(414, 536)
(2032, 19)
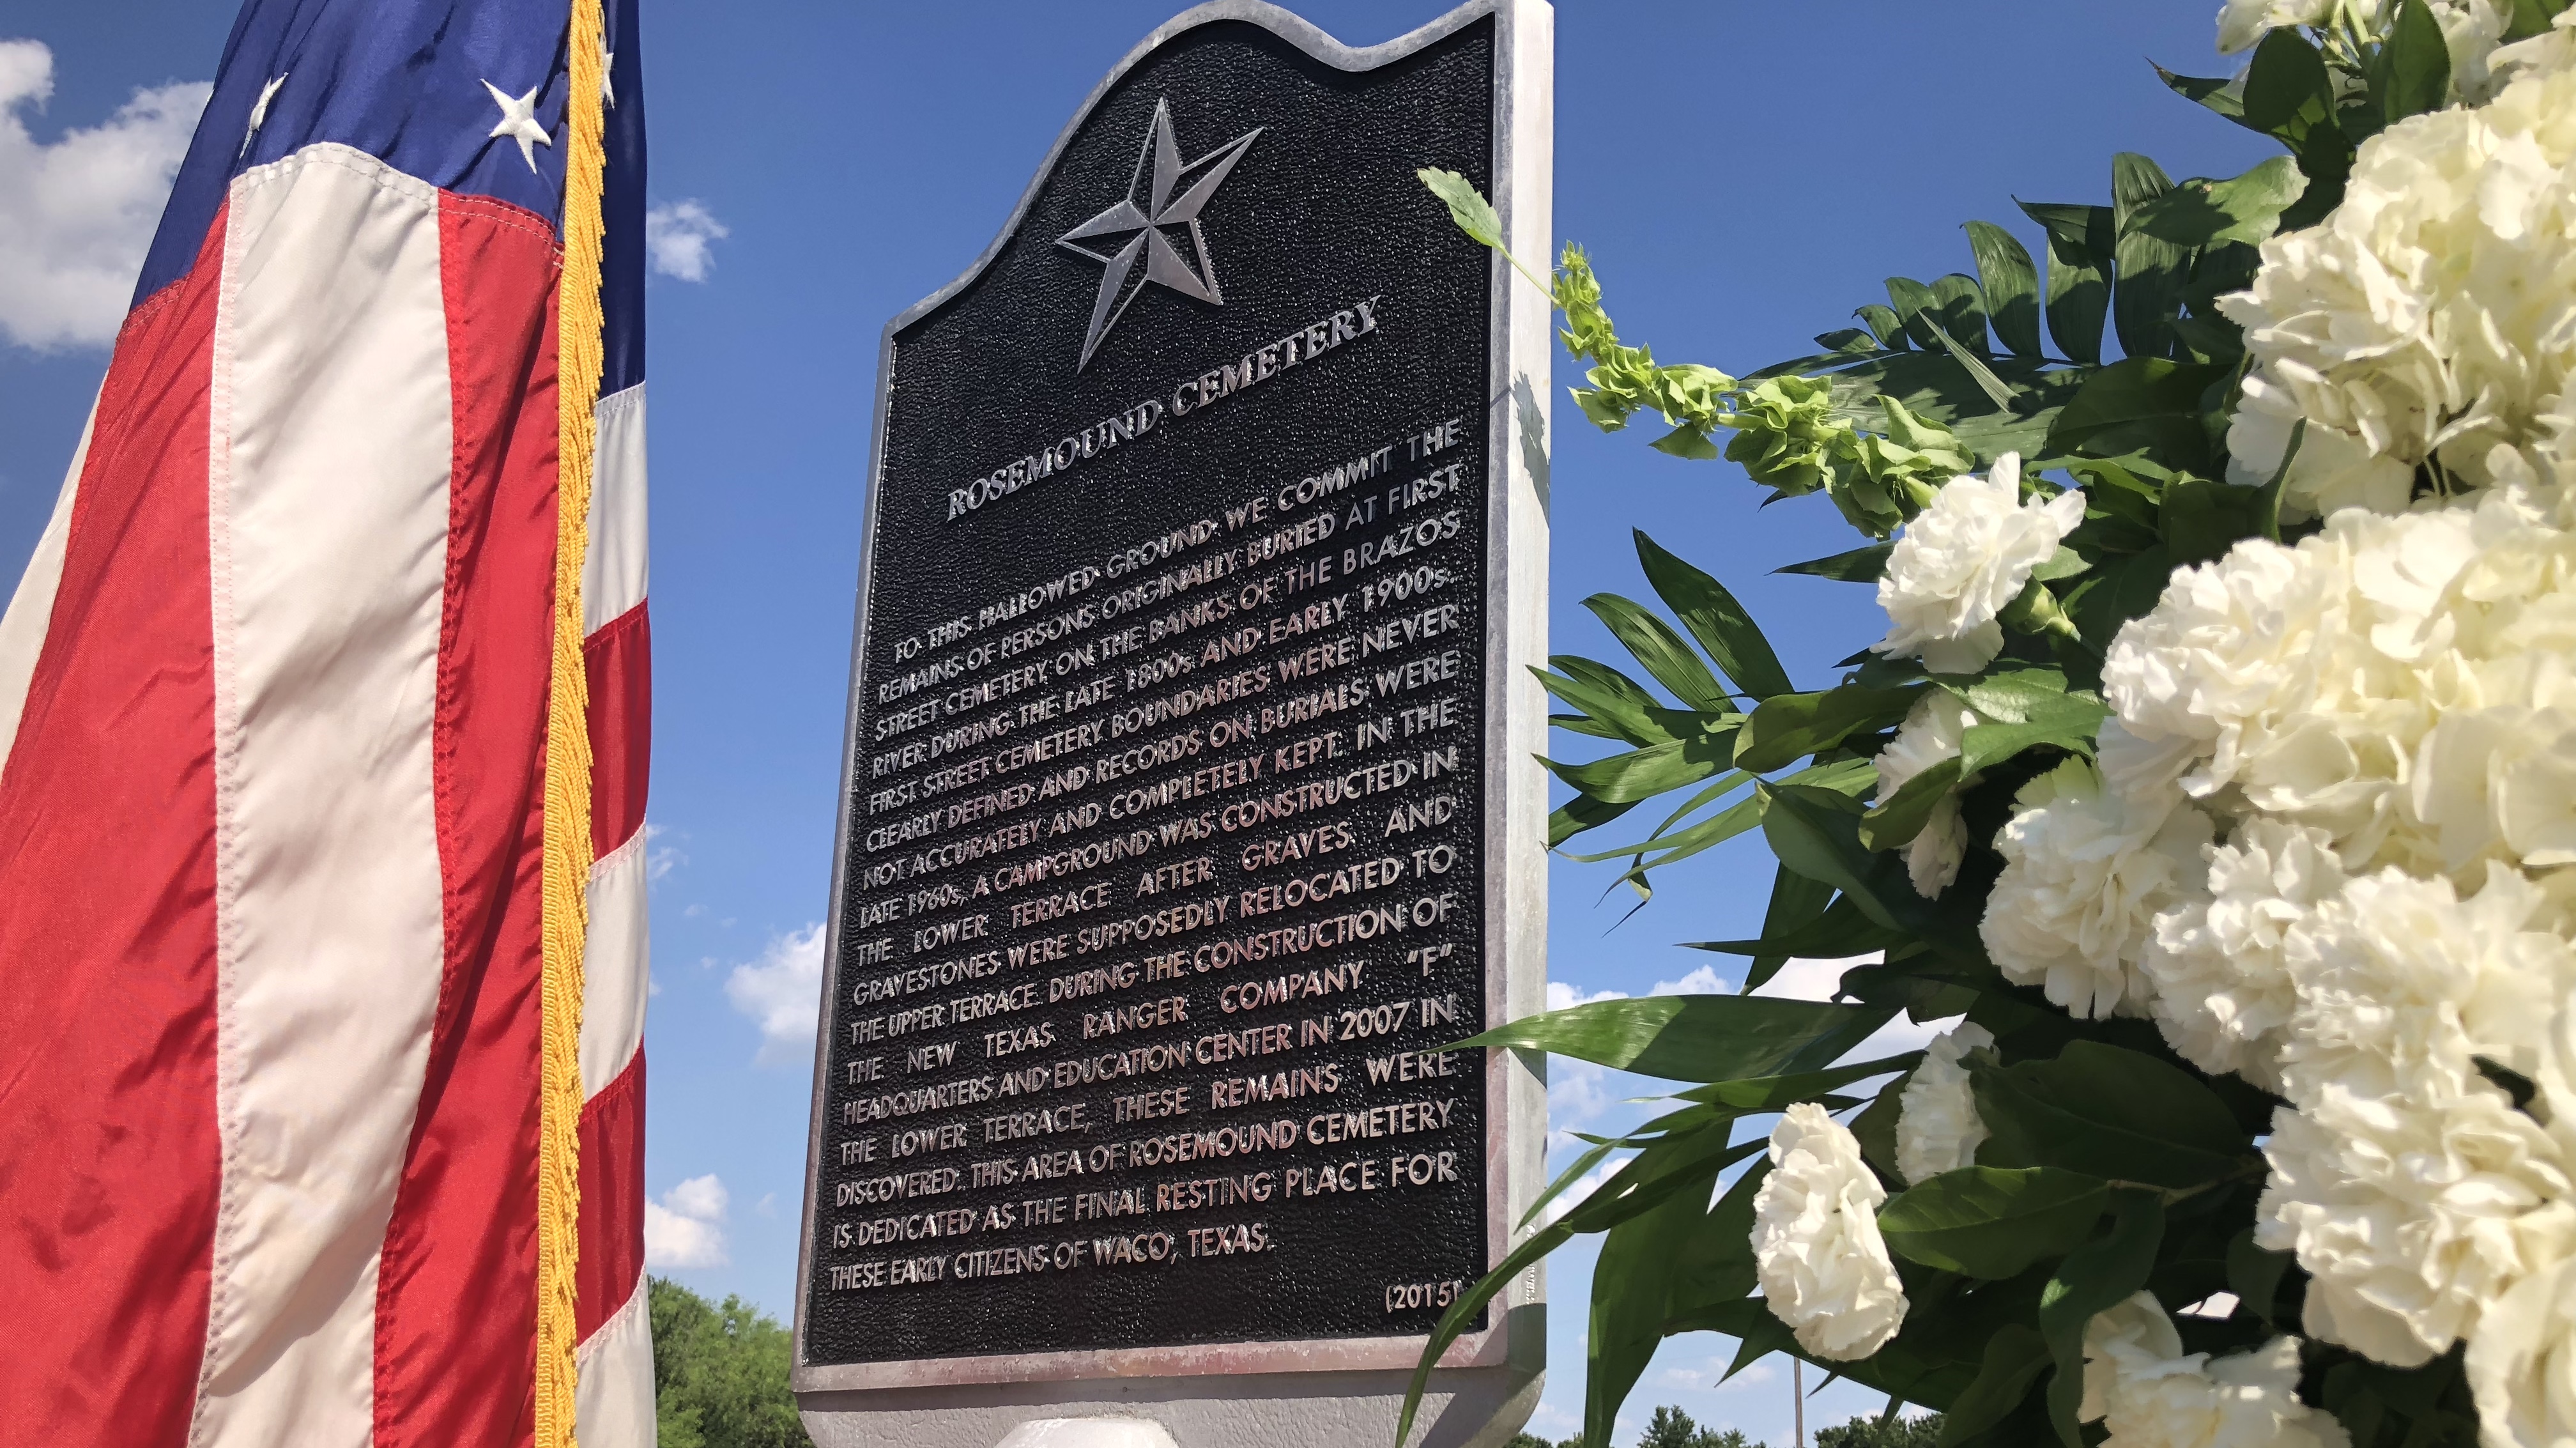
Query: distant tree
(719, 1373)
(1673, 1428)
(1921, 1432)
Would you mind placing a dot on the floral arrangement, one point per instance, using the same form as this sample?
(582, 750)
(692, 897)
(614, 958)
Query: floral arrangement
(2217, 769)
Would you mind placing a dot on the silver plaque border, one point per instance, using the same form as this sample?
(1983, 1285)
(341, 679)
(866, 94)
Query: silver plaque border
(1515, 713)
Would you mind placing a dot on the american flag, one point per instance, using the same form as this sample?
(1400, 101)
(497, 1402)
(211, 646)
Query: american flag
(324, 711)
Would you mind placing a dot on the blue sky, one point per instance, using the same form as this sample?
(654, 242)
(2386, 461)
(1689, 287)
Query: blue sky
(1743, 175)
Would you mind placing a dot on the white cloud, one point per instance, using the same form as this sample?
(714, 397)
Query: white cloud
(783, 992)
(680, 234)
(686, 1227)
(77, 214)
(1561, 996)
(1703, 981)
(663, 860)
(1578, 1092)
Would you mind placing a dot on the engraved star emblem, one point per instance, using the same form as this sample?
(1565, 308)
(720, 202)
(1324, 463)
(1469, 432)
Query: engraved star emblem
(1162, 203)
(519, 120)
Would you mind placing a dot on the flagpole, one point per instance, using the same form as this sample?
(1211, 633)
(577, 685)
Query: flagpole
(1798, 1397)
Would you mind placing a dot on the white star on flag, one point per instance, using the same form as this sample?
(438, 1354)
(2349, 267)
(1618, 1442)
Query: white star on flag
(258, 114)
(519, 120)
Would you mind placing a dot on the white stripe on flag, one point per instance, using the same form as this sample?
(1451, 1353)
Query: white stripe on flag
(613, 1395)
(329, 493)
(613, 573)
(31, 608)
(616, 966)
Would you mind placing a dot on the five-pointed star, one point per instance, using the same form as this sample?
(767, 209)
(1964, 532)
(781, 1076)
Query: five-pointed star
(1143, 215)
(258, 114)
(519, 120)
(607, 63)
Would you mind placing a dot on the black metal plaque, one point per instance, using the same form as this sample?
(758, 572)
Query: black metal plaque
(1163, 846)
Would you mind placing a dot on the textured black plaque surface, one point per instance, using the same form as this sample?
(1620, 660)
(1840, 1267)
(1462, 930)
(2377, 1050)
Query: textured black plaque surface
(1320, 219)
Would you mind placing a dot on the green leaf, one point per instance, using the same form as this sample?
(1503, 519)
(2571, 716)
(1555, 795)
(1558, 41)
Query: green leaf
(1883, 323)
(1579, 814)
(2014, 1358)
(1959, 305)
(1841, 931)
(1715, 619)
(2254, 1275)
(1772, 1093)
(1917, 307)
(2413, 75)
(2220, 96)
(1695, 1038)
(2011, 286)
(1644, 773)
(1568, 1177)
(1861, 565)
(2290, 96)
(1875, 1125)
(1797, 903)
(2109, 1112)
(2149, 295)
(1609, 698)
(2013, 693)
(2100, 1274)
(2067, 723)
(2139, 403)
(2245, 208)
(1992, 1222)
(1715, 1268)
(2082, 242)
(1785, 727)
(1817, 833)
(1969, 362)
(1662, 651)
(1893, 823)
(2288, 91)
(1467, 206)
(2203, 519)
(1470, 1307)
(1632, 1283)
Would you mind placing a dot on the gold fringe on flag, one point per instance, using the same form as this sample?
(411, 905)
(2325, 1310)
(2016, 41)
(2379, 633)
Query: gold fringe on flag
(579, 361)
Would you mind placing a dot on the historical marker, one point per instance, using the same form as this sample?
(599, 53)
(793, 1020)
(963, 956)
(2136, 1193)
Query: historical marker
(1189, 808)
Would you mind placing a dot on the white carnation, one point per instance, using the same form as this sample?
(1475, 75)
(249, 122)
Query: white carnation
(2242, 22)
(2432, 317)
(2407, 1183)
(2522, 1362)
(1961, 560)
(1937, 1126)
(2142, 1387)
(2223, 994)
(1930, 734)
(1816, 1247)
(2086, 871)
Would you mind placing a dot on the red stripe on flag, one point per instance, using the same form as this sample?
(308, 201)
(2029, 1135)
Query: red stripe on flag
(612, 1198)
(456, 1301)
(109, 1159)
(618, 657)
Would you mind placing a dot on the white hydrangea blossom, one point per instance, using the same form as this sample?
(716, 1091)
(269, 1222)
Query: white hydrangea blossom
(2149, 1393)
(2086, 871)
(1930, 734)
(1824, 1268)
(1961, 560)
(2408, 1184)
(2400, 683)
(1937, 1127)
(2223, 994)
(2432, 316)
